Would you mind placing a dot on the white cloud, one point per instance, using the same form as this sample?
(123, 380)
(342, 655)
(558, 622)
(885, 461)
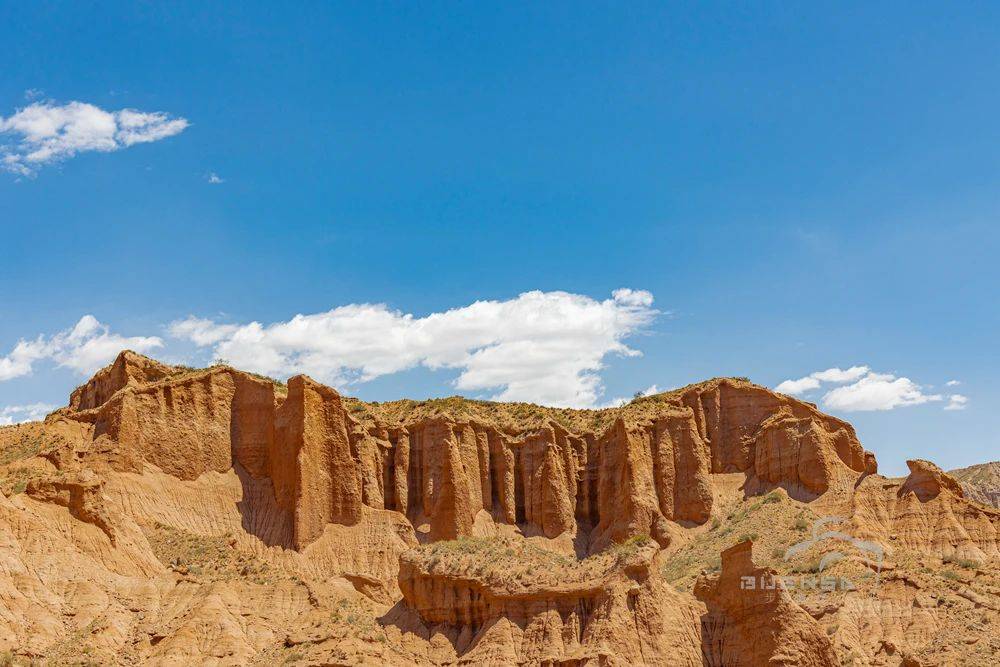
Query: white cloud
(877, 391)
(15, 414)
(650, 390)
(957, 402)
(813, 380)
(44, 133)
(797, 387)
(21, 358)
(952, 383)
(836, 375)
(202, 331)
(865, 390)
(543, 347)
(214, 178)
(85, 348)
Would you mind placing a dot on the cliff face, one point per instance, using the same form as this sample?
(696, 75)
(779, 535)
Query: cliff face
(611, 609)
(980, 483)
(927, 513)
(752, 620)
(448, 531)
(638, 475)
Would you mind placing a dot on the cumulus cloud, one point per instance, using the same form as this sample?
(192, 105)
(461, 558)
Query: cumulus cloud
(543, 347)
(952, 383)
(877, 391)
(813, 380)
(862, 389)
(837, 375)
(16, 414)
(45, 133)
(213, 178)
(202, 331)
(957, 402)
(798, 387)
(85, 347)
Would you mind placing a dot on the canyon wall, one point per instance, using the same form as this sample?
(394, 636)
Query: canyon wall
(464, 532)
(636, 476)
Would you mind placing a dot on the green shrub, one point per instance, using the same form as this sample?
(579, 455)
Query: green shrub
(963, 563)
(631, 546)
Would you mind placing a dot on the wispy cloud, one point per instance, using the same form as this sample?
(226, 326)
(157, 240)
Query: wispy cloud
(214, 178)
(15, 414)
(957, 402)
(85, 347)
(544, 347)
(862, 389)
(45, 133)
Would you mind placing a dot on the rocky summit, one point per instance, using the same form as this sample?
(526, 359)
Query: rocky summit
(178, 516)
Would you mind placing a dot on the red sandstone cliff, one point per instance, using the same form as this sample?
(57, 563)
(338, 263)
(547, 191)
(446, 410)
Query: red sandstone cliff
(565, 522)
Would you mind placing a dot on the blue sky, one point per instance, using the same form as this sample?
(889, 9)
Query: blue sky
(796, 188)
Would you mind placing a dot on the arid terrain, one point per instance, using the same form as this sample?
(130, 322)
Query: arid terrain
(980, 482)
(177, 516)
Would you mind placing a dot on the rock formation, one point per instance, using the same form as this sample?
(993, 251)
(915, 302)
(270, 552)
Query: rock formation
(980, 483)
(752, 620)
(610, 611)
(173, 515)
(926, 512)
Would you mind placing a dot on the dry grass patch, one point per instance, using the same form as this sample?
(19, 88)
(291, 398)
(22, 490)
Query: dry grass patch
(507, 562)
(770, 521)
(208, 557)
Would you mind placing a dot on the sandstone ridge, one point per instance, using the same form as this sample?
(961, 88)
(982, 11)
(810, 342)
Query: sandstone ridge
(637, 469)
(293, 524)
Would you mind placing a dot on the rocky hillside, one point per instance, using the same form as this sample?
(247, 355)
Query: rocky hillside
(980, 482)
(179, 516)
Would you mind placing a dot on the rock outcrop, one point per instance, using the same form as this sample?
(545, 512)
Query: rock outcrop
(927, 513)
(311, 465)
(644, 470)
(80, 493)
(611, 611)
(171, 515)
(752, 620)
(980, 483)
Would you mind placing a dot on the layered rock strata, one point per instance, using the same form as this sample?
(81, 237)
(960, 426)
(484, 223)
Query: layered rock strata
(752, 620)
(635, 476)
(614, 611)
(172, 515)
(926, 512)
